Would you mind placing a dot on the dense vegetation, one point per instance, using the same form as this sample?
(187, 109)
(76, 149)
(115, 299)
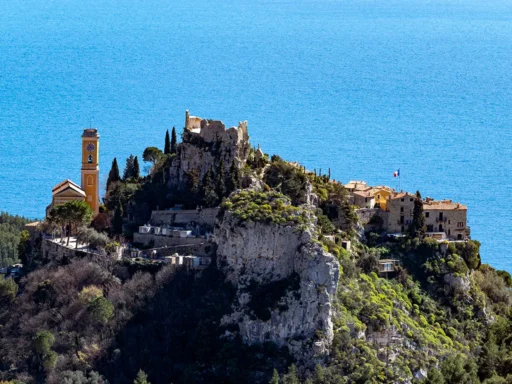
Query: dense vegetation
(442, 317)
(11, 228)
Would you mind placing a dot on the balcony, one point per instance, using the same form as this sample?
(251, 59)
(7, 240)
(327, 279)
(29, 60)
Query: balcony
(443, 220)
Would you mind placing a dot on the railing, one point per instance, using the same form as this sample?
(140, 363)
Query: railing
(443, 220)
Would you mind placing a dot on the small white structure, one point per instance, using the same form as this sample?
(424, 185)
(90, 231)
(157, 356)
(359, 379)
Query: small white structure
(330, 238)
(145, 229)
(185, 233)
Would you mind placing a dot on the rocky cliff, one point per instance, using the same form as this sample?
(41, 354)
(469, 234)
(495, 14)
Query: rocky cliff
(205, 143)
(286, 283)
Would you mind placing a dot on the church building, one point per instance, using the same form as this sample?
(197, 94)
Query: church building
(89, 190)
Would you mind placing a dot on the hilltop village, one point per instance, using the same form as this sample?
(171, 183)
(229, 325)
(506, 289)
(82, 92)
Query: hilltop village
(224, 255)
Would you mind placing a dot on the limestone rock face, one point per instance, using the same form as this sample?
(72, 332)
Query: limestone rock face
(204, 147)
(254, 254)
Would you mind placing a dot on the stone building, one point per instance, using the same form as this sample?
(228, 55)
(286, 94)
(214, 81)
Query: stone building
(445, 216)
(363, 199)
(400, 212)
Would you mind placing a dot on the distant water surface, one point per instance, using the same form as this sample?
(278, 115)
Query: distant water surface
(363, 87)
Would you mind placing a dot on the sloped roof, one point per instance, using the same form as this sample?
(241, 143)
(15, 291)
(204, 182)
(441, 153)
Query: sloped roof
(67, 185)
(445, 205)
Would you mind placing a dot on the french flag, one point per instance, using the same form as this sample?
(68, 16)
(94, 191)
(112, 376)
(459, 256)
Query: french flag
(397, 173)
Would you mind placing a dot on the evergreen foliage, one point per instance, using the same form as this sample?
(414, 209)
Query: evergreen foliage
(129, 169)
(151, 155)
(71, 215)
(113, 175)
(141, 378)
(136, 168)
(174, 142)
(11, 228)
(418, 227)
(117, 221)
(167, 145)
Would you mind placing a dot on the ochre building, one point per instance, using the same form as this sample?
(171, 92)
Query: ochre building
(89, 189)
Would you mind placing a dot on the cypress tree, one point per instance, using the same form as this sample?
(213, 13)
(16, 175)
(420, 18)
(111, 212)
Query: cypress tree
(117, 221)
(113, 175)
(220, 180)
(167, 146)
(174, 141)
(418, 228)
(233, 179)
(128, 170)
(210, 197)
(136, 168)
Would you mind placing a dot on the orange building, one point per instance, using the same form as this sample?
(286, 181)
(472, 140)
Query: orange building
(89, 190)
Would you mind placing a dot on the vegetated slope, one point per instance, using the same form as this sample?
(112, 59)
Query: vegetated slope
(10, 230)
(444, 317)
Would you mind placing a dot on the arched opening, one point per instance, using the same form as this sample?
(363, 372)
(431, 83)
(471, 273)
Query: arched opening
(89, 180)
(89, 159)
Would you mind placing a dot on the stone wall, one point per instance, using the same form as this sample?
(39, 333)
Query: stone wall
(162, 241)
(366, 214)
(55, 251)
(204, 216)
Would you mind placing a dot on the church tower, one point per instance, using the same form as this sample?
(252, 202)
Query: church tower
(90, 168)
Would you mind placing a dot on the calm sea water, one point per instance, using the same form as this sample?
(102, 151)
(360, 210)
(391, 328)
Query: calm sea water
(363, 87)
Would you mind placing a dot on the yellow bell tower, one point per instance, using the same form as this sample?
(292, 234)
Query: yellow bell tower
(90, 168)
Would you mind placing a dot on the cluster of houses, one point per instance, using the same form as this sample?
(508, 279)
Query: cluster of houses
(445, 219)
(166, 231)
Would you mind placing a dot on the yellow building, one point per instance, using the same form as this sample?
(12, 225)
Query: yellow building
(90, 168)
(381, 195)
(89, 189)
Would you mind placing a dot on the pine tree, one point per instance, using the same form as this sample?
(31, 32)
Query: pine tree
(291, 376)
(275, 377)
(141, 378)
(174, 141)
(128, 169)
(113, 175)
(136, 168)
(418, 228)
(117, 221)
(167, 146)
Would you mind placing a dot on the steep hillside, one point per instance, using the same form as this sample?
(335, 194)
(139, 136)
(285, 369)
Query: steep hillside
(293, 293)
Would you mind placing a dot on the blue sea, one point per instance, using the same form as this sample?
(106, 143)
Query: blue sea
(359, 86)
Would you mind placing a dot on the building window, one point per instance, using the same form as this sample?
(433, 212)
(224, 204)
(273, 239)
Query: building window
(401, 199)
(460, 224)
(427, 214)
(89, 159)
(411, 199)
(401, 209)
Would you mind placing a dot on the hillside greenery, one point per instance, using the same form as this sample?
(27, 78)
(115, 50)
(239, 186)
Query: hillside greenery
(443, 317)
(11, 228)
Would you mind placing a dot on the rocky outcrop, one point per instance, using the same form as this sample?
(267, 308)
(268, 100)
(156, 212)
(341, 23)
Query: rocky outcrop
(286, 283)
(205, 144)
